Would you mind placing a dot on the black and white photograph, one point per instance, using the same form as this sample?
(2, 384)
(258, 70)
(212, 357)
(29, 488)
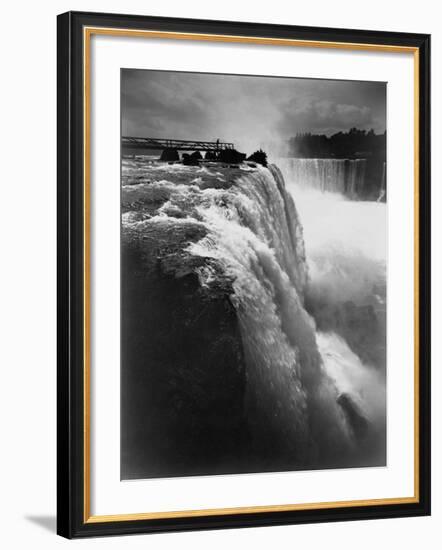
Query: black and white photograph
(221, 274)
(253, 274)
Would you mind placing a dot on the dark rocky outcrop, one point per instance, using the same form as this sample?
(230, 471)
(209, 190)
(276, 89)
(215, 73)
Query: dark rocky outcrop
(231, 156)
(259, 156)
(170, 154)
(192, 159)
(210, 155)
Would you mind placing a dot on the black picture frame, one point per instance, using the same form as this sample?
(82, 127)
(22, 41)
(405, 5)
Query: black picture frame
(72, 393)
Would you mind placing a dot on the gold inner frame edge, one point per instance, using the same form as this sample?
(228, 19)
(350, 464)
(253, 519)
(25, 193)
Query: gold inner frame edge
(87, 33)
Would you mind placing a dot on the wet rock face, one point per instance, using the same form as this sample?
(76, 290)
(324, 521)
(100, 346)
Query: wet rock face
(183, 370)
(183, 378)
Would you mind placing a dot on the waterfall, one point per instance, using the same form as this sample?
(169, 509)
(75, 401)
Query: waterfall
(255, 235)
(305, 387)
(342, 176)
(354, 178)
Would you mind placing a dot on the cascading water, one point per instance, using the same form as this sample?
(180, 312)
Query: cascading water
(256, 236)
(355, 177)
(346, 256)
(306, 404)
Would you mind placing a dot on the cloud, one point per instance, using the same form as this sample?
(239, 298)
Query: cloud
(326, 116)
(247, 110)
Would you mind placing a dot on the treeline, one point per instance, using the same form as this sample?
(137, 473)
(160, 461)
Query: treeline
(354, 143)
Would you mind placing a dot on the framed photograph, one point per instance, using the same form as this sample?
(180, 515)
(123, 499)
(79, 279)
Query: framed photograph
(243, 274)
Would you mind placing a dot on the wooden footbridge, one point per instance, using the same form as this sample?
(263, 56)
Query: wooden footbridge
(178, 144)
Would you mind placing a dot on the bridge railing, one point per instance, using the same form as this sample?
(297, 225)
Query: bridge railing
(179, 144)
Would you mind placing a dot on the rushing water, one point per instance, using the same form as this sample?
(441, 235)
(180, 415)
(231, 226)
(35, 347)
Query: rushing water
(308, 277)
(255, 234)
(346, 249)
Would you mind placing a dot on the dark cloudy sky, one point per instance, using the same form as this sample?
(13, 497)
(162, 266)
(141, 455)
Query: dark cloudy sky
(248, 110)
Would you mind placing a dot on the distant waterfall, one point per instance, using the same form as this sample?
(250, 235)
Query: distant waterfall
(342, 176)
(381, 196)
